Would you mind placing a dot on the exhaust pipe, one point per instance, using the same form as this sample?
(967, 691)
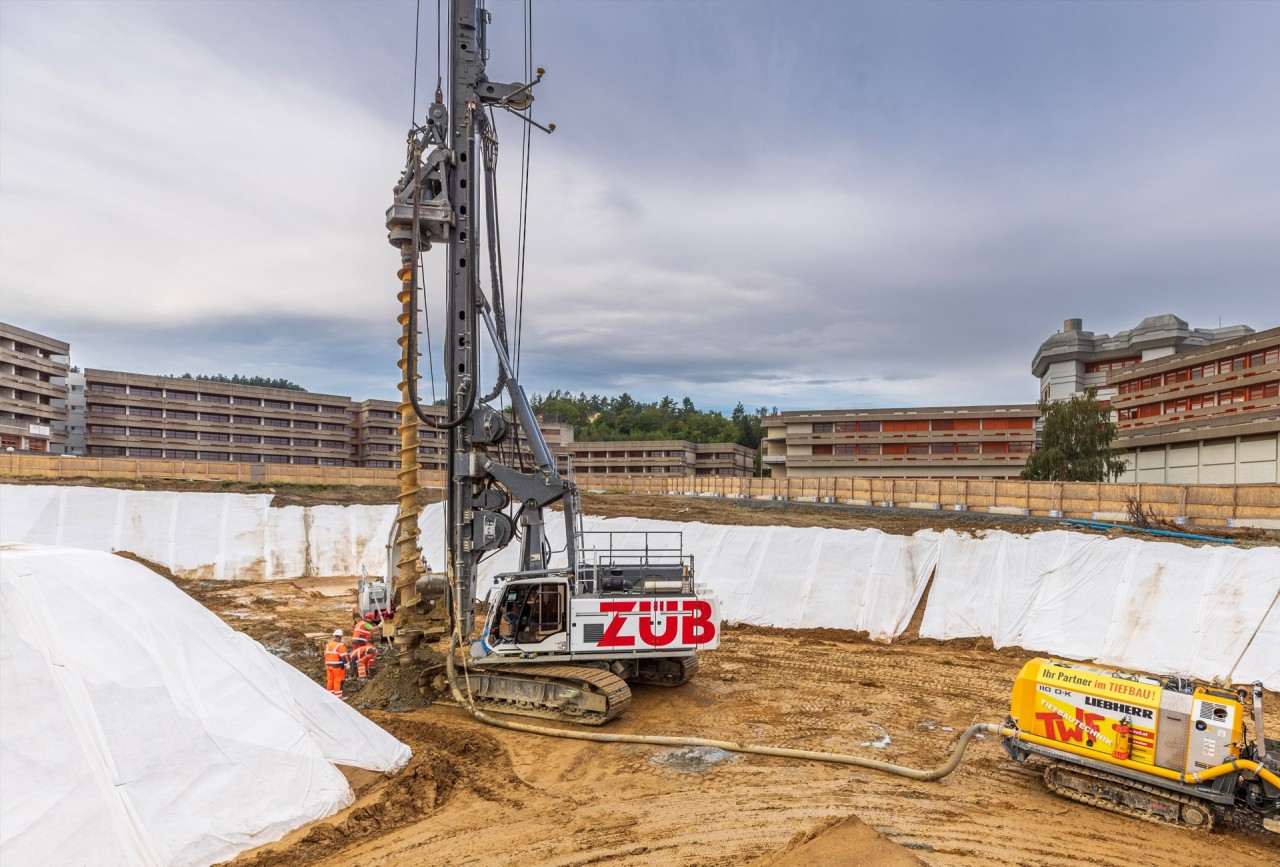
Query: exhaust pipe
(1259, 734)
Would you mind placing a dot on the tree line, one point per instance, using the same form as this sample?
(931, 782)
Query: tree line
(237, 379)
(598, 418)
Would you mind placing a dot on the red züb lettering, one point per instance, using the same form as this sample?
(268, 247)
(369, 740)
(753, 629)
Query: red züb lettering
(612, 633)
(698, 628)
(668, 635)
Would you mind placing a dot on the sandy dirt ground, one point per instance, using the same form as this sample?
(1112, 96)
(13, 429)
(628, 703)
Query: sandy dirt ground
(476, 795)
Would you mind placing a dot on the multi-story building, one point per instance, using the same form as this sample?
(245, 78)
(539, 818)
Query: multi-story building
(1208, 414)
(141, 416)
(33, 391)
(948, 442)
(661, 457)
(1074, 361)
(75, 412)
(377, 436)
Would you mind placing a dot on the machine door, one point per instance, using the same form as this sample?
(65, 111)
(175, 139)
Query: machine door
(530, 617)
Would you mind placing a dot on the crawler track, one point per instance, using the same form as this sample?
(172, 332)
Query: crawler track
(569, 693)
(1129, 798)
(670, 671)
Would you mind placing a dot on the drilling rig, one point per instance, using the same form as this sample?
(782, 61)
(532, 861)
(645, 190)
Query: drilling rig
(570, 628)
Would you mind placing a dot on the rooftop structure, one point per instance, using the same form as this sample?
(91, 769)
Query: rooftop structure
(1074, 360)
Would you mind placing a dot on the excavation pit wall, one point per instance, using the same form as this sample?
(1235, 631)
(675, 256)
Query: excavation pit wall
(1208, 612)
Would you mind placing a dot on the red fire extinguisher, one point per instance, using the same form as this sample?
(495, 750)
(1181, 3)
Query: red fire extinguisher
(1123, 731)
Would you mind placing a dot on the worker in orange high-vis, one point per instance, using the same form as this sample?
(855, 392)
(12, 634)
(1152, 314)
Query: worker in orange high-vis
(335, 663)
(363, 653)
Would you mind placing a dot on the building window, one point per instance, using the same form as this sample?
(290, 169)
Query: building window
(143, 391)
(894, 449)
(180, 454)
(906, 425)
(306, 425)
(917, 448)
(332, 462)
(336, 409)
(1020, 447)
(275, 441)
(146, 432)
(995, 448)
(180, 434)
(108, 429)
(869, 449)
(276, 422)
(304, 442)
(301, 459)
(146, 453)
(214, 416)
(180, 395)
(822, 450)
(845, 426)
(214, 398)
(942, 448)
(275, 459)
(824, 427)
(942, 424)
(247, 419)
(967, 448)
(268, 403)
(104, 388)
(1008, 423)
(146, 412)
(214, 456)
(245, 458)
(246, 438)
(304, 407)
(106, 409)
(381, 465)
(246, 401)
(327, 425)
(106, 451)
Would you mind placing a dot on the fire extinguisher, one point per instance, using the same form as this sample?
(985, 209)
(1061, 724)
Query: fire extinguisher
(1123, 730)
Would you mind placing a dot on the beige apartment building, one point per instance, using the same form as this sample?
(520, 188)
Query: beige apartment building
(137, 415)
(661, 457)
(33, 391)
(1208, 414)
(377, 436)
(946, 442)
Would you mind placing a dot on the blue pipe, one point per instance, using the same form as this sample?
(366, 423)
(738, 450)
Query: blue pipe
(1099, 525)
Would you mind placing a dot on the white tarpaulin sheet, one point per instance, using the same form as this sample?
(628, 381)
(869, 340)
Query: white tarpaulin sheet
(137, 728)
(862, 580)
(196, 535)
(1154, 606)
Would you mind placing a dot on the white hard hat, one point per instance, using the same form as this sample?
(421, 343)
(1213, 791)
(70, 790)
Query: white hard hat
(337, 633)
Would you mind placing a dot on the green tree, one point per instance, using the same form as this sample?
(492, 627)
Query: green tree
(1076, 445)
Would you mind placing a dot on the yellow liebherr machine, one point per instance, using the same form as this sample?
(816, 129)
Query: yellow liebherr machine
(1164, 749)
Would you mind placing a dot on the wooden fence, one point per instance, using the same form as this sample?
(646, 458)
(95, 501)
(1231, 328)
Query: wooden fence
(1193, 505)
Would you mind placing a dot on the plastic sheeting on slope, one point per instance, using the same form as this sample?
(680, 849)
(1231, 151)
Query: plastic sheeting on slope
(862, 580)
(137, 728)
(219, 536)
(1019, 591)
(1153, 606)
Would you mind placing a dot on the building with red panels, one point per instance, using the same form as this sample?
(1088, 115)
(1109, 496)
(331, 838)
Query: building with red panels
(1074, 360)
(1205, 415)
(946, 442)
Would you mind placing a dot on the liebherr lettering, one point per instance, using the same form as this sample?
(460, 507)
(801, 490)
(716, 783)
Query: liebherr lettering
(1119, 707)
(689, 620)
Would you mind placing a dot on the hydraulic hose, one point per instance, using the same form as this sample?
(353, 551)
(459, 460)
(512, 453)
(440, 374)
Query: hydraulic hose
(922, 775)
(729, 746)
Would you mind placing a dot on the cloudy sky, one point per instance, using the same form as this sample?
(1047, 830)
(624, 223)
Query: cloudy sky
(792, 204)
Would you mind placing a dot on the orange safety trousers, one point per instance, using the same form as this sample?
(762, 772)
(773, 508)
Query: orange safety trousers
(335, 678)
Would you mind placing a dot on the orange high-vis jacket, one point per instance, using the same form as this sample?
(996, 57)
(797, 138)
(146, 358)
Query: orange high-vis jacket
(335, 654)
(362, 634)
